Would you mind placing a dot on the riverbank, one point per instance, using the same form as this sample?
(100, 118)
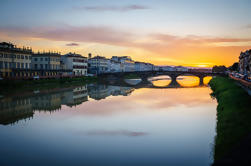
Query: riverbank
(233, 140)
(241, 81)
(11, 86)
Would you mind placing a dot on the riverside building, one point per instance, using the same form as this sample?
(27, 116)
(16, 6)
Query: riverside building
(46, 64)
(98, 64)
(245, 62)
(76, 63)
(127, 64)
(15, 62)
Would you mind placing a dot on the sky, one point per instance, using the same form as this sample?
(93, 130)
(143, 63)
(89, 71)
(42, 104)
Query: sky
(199, 33)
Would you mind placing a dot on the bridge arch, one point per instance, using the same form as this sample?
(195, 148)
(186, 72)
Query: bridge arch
(145, 75)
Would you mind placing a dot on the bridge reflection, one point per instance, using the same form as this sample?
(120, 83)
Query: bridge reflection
(14, 108)
(166, 82)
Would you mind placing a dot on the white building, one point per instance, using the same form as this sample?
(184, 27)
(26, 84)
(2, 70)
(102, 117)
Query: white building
(156, 68)
(141, 66)
(98, 64)
(167, 68)
(127, 64)
(114, 66)
(75, 62)
(181, 68)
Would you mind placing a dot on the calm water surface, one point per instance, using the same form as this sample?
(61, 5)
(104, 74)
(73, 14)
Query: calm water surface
(110, 125)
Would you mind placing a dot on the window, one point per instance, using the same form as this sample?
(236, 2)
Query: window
(41, 66)
(18, 65)
(14, 65)
(41, 59)
(6, 65)
(18, 56)
(26, 57)
(5, 55)
(1, 64)
(22, 57)
(1, 55)
(46, 66)
(35, 59)
(22, 65)
(26, 65)
(35, 66)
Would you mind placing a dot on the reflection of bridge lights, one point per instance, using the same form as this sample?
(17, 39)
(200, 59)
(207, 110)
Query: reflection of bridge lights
(207, 79)
(188, 81)
(161, 83)
(132, 81)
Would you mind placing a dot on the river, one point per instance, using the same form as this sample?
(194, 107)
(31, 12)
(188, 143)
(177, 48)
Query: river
(101, 124)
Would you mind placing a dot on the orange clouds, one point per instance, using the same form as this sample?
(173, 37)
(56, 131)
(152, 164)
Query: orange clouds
(157, 48)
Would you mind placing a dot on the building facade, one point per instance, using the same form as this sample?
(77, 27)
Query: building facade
(127, 64)
(114, 66)
(76, 63)
(14, 62)
(46, 64)
(98, 65)
(181, 68)
(141, 66)
(245, 62)
(167, 68)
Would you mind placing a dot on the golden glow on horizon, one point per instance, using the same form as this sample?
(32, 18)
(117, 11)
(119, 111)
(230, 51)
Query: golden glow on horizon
(195, 56)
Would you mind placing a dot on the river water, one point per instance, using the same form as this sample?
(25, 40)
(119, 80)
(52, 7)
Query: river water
(110, 125)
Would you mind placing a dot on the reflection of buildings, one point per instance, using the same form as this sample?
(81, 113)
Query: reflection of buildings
(13, 109)
(99, 92)
(46, 102)
(75, 97)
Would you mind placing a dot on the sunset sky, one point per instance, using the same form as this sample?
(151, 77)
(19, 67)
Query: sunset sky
(163, 32)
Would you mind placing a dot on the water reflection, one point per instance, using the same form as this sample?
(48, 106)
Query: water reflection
(160, 81)
(188, 81)
(101, 124)
(15, 108)
(207, 79)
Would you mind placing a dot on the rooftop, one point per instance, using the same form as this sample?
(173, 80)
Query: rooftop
(9, 47)
(74, 55)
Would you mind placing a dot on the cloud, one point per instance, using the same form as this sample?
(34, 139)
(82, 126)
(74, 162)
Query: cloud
(248, 26)
(112, 8)
(72, 44)
(98, 34)
(116, 133)
(117, 37)
(196, 39)
(166, 48)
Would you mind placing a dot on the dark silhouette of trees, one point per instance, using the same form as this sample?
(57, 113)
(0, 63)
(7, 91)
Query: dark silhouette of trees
(219, 69)
(234, 67)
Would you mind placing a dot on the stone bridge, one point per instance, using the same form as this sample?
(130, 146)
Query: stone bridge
(144, 75)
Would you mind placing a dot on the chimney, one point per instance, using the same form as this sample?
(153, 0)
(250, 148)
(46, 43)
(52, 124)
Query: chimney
(89, 55)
